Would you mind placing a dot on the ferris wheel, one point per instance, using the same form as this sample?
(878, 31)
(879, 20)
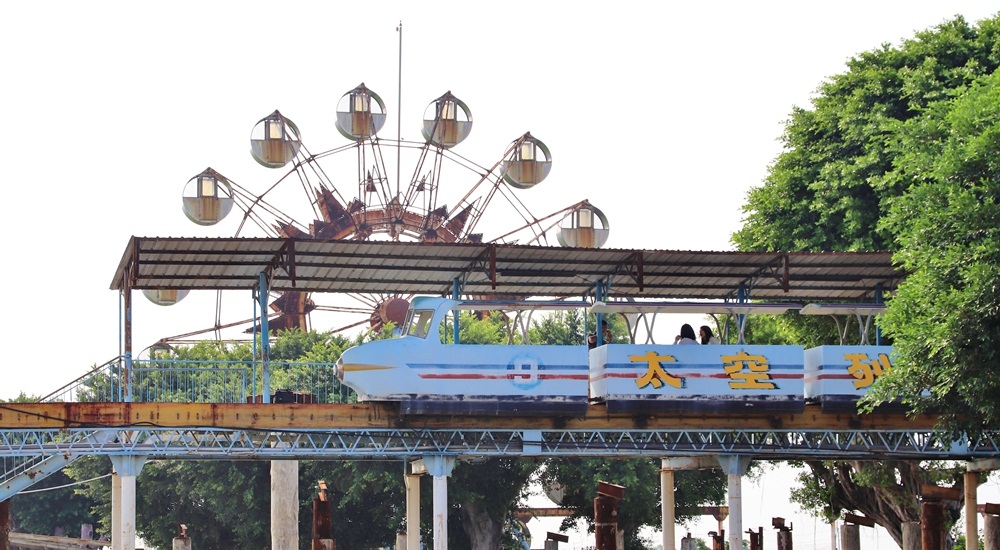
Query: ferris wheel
(353, 196)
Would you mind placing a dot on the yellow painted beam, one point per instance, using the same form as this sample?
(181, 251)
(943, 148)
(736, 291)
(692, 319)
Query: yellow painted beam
(275, 416)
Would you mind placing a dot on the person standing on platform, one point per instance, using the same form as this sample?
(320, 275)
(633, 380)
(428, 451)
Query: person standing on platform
(686, 336)
(606, 337)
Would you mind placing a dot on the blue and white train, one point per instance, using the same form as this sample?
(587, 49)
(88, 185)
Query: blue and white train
(426, 375)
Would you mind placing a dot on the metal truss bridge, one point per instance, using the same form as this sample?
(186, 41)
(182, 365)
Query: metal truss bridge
(34, 431)
(237, 444)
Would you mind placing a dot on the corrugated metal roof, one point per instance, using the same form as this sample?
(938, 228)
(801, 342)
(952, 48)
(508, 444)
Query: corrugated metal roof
(498, 270)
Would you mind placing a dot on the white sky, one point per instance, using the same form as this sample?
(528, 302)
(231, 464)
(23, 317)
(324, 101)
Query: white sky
(663, 114)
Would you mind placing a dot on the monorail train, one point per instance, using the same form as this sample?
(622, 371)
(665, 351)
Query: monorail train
(425, 375)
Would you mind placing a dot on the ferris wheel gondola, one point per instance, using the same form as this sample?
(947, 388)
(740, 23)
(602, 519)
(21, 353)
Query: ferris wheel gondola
(383, 209)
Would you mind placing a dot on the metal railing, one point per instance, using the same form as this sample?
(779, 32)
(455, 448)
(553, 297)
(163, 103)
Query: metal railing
(182, 381)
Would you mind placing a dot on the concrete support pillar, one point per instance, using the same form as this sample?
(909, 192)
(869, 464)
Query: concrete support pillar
(667, 516)
(850, 537)
(127, 468)
(181, 543)
(971, 526)
(440, 467)
(401, 540)
(689, 543)
(440, 512)
(412, 510)
(127, 519)
(116, 511)
(735, 466)
(991, 532)
(735, 497)
(284, 505)
(911, 535)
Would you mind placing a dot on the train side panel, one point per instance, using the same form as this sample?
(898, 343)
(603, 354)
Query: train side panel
(650, 379)
(428, 377)
(837, 376)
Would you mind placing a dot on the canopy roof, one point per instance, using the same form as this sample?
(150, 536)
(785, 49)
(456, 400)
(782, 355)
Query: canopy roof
(501, 271)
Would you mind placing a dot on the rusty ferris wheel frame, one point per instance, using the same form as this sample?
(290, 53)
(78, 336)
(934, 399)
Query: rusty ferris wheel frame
(410, 208)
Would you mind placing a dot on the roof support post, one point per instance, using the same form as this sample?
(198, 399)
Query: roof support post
(125, 382)
(455, 296)
(265, 346)
(600, 291)
(742, 297)
(878, 300)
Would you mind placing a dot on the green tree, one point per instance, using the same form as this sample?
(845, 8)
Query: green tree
(882, 490)
(945, 318)
(829, 188)
(894, 155)
(485, 496)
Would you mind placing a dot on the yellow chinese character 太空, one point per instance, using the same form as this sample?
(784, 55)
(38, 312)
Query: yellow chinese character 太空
(756, 376)
(866, 372)
(655, 374)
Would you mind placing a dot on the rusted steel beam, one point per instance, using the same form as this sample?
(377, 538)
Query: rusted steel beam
(933, 492)
(373, 415)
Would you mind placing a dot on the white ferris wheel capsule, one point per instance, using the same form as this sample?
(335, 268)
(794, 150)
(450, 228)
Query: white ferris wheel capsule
(274, 141)
(447, 121)
(360, 113)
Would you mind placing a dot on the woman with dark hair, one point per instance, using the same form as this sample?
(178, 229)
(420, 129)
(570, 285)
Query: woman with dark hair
(705, 336)
(686, 336)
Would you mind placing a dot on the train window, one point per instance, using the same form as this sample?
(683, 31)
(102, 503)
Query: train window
(420, 322)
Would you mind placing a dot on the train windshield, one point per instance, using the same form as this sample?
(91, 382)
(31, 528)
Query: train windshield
(419, 323)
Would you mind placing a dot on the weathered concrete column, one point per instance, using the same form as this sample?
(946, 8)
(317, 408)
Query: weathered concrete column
(973, 468)
(127, 468)
(284, 505)
(181, 543)
(689, 543)
(971, 526)
(116, 511)
(991, 532)
(440, 467)
(412, 482)
(735, 466)
(668, 516)
(911, 535)
(850, 537)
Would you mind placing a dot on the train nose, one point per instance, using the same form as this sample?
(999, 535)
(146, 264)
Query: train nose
(338, 368)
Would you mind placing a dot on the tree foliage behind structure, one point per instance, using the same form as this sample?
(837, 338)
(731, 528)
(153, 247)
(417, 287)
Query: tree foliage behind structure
(945, 318)
(832, 185)
(897, 153)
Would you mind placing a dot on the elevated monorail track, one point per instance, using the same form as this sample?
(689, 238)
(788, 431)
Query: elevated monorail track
(318, 432)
